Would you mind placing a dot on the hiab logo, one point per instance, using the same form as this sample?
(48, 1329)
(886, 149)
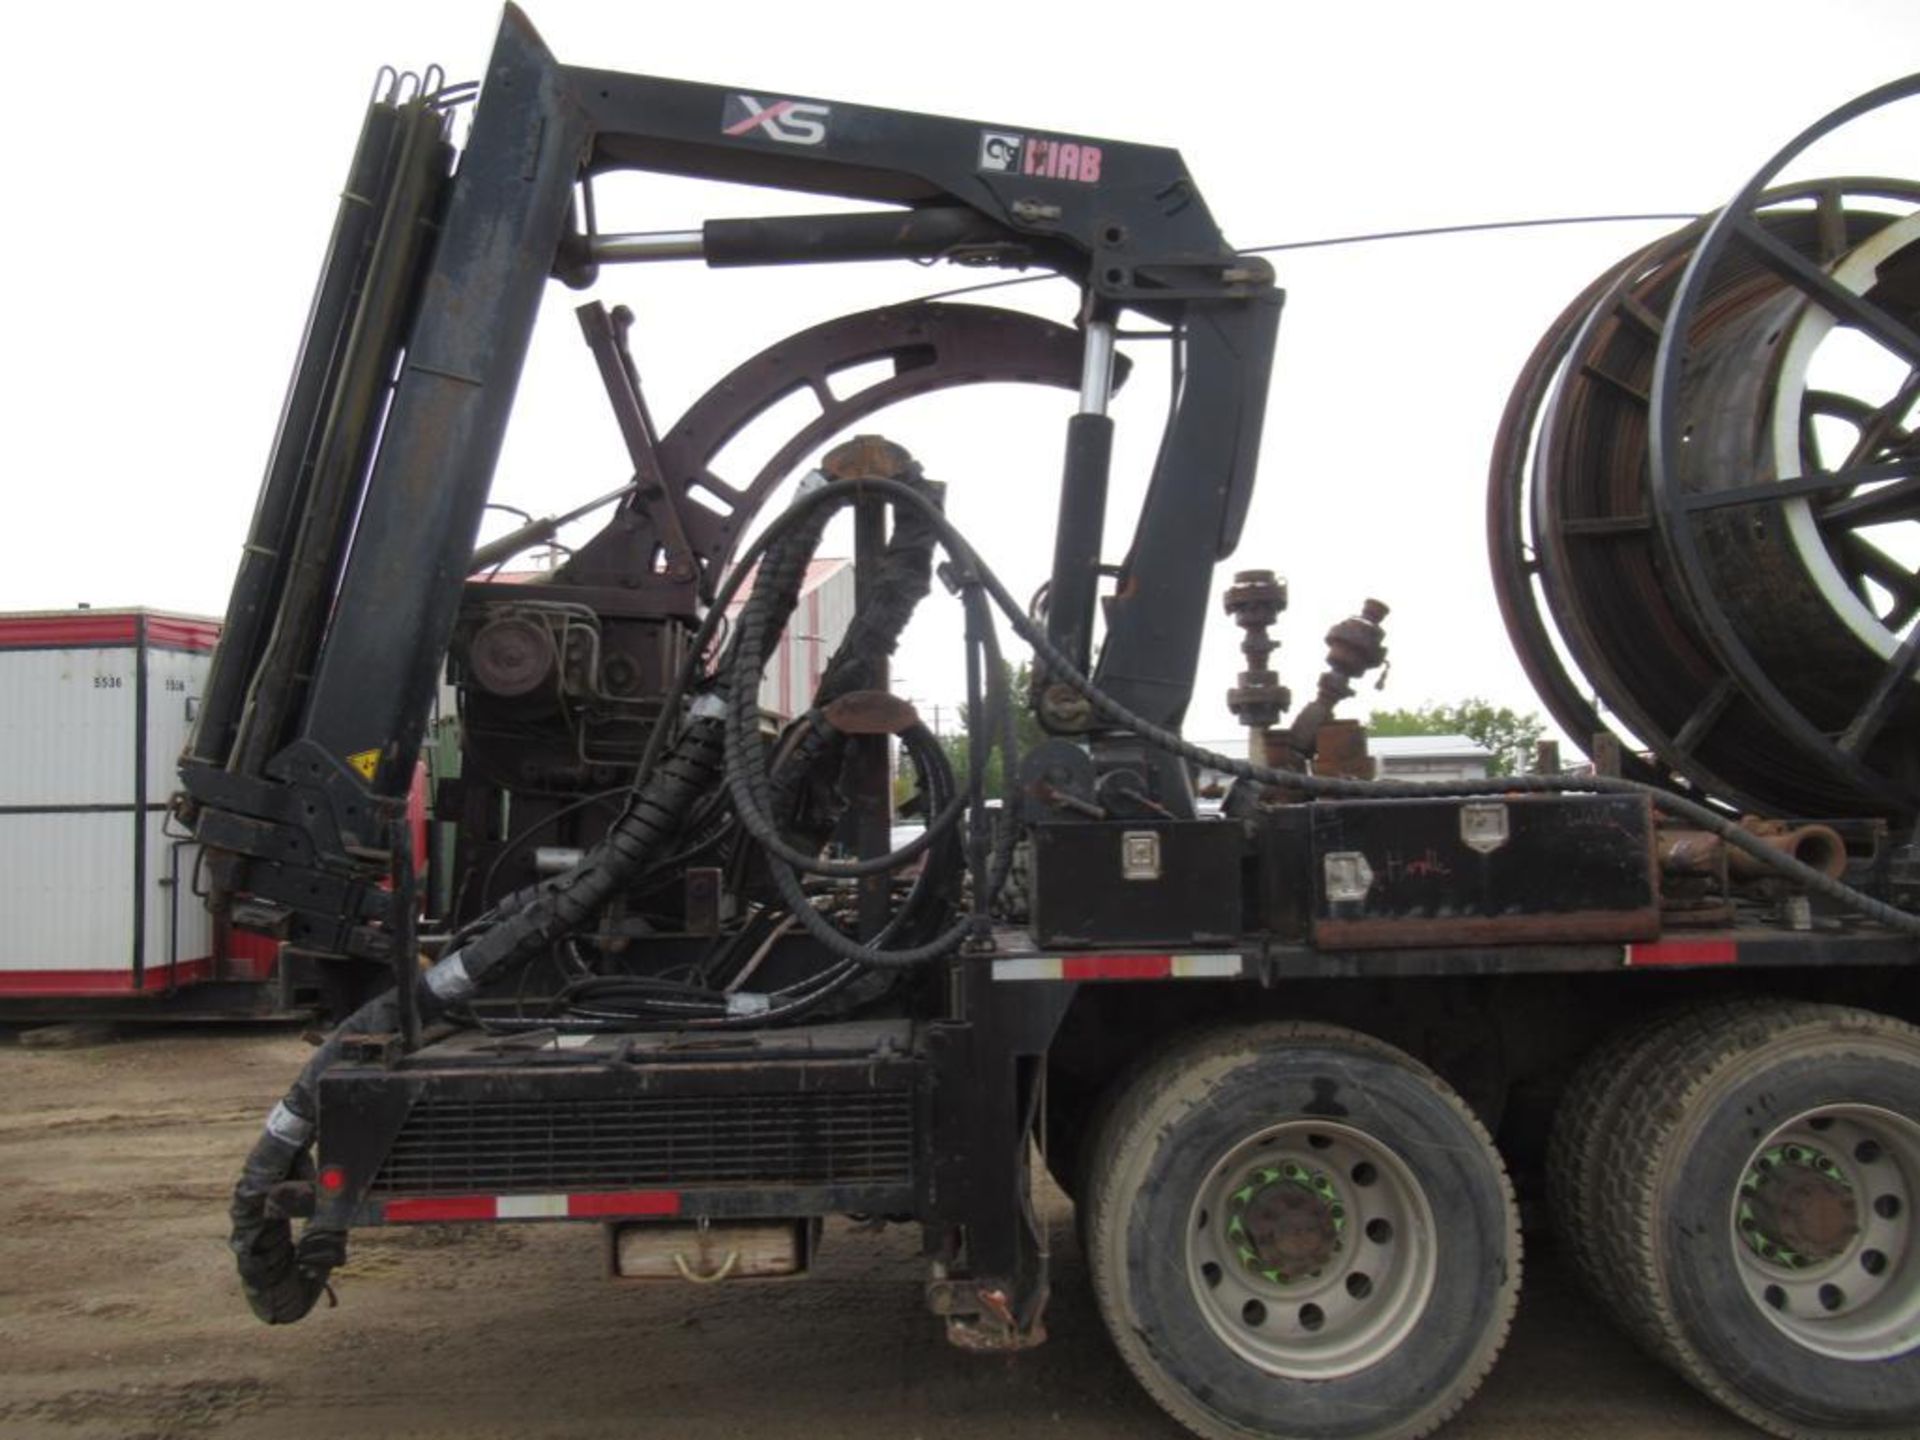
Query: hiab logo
(791, 122)
(1003, 153)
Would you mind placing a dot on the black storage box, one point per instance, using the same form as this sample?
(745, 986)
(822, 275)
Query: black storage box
(1159, 882)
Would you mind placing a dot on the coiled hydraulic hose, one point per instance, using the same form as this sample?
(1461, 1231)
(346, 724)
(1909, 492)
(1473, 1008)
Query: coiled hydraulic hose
(283, 1280)
(791, 539)
(789, 545)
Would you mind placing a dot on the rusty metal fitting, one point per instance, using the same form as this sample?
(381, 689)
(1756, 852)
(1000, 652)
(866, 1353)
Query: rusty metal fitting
(1255, 600)
(1064, 708)
(871, 712)
(1357, 644)
(1817, 845)
(868, 457)
(1354, 646)
(1699, 852)
(1689, 852)
(1340, 749)
(1259, 700)
(1256, 597)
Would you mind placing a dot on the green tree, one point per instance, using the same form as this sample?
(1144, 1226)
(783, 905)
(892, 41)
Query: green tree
(1510, 735)
(1026, 729)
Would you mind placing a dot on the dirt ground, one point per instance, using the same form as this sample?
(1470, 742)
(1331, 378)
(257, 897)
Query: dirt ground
(120, 1316)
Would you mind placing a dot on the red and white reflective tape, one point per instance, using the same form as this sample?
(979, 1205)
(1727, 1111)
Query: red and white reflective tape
(592, 1205)
(1682, 952)
(1121, 967)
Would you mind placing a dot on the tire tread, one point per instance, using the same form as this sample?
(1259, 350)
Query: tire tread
(1120, 1135)
(1688, 1057)
(1583, 1126)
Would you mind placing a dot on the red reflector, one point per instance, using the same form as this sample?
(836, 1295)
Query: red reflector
(1684, 952)
(452, 1207)
(332, 1179)
(628, 1202)
(1116, 967)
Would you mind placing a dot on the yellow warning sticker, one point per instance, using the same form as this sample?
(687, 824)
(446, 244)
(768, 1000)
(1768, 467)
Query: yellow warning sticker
(366, 762)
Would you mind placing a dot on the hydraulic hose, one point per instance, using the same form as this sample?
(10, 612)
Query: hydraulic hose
(1062, 669)
(790, 542)
(283, 1280)
(610, 1000)
(815, 745)
(901, 577)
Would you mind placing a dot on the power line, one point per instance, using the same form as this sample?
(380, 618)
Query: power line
(1476, 228)
(989, 285)
(1370, 237)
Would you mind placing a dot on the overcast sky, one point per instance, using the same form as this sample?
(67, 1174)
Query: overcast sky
(173, 172)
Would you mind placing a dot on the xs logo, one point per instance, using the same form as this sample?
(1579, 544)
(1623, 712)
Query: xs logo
(791, 122)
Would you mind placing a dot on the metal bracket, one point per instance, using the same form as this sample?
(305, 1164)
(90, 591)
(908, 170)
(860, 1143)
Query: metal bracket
(1483, 825)
(1348, 876)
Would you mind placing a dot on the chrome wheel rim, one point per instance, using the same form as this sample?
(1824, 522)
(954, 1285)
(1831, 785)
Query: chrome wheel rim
(1822, 1231)
(1310, 1250)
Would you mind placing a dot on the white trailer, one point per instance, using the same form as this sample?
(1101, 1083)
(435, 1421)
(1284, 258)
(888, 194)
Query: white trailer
(95, 884)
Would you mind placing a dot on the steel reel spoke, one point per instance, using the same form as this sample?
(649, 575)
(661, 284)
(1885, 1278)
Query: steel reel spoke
(1700, 534)
(1811, 278)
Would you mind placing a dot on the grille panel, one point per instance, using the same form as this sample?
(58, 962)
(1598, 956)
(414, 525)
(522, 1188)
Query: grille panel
(452, 1145)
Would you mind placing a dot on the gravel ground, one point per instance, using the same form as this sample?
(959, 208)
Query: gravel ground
(120, 1316)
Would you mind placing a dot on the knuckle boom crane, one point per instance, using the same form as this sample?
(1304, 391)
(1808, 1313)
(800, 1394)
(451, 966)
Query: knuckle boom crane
(714, 1005)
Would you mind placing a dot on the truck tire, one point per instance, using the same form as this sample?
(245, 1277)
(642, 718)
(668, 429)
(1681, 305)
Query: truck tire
(1757, 1204)
(1298, 1230)
(1583, 1122)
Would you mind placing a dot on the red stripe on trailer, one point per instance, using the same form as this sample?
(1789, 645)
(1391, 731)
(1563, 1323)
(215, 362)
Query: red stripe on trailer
(71, 629)
(590, 1205)
(1201, 965)
(450, 1207)
(1116, 967)
(55, 983)
(1683, 952)
(54, 632)
(631, 1202)
(168, 632)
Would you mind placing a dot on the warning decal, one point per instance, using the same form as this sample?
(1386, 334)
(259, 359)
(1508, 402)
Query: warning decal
(366, 762)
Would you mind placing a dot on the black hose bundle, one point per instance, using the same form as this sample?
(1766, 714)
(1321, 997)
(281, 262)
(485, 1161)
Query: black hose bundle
(900, 579)
(283, 1280)
(791, 540)
(614, 1001)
